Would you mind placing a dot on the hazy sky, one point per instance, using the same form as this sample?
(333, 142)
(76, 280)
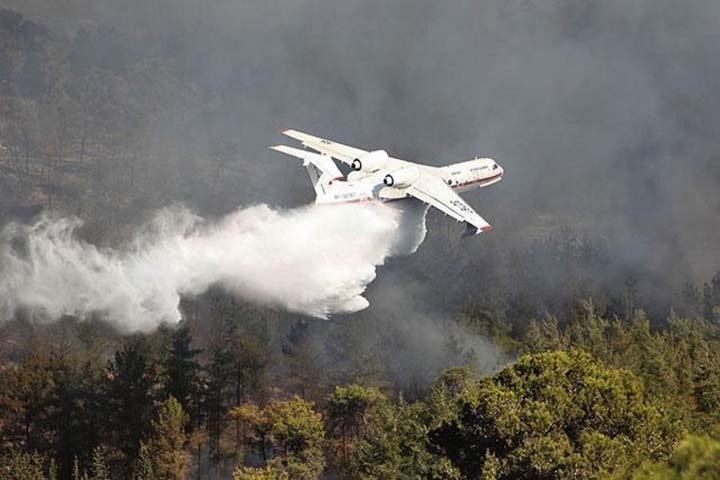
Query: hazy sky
(604, 114)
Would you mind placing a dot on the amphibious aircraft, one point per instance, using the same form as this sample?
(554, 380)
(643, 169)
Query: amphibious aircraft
(375, 175)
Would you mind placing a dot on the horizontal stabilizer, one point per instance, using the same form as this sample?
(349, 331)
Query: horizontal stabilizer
(340, 152)
(324, 163)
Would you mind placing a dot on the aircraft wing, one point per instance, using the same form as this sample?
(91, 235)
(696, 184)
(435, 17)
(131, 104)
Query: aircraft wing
(432, 190)
(343, 153)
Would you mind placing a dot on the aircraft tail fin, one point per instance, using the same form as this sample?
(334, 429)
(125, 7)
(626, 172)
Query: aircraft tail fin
(321, 168)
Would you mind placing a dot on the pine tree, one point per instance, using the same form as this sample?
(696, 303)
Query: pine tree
(166, 444)
(696, 457)
(259, 473)
(74, 416)
(394, 445)
(17, 465)
(99, 468)
(347, 413)
(143, 465)
(292, 431)
(219, 374)
(555, 414)
(249, 360)
(76, 475)
(711, 299)
(32, 384)
(129, 393)
(183, 373)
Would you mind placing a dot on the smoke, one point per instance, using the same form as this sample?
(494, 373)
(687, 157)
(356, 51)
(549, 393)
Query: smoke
(601, 116)
(602, 113)
(315, 260)
(418, 342)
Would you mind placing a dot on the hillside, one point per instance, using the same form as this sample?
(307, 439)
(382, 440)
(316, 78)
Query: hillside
(580, 339)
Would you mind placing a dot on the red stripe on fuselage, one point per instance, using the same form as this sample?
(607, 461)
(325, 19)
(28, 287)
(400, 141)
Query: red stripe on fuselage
(361, 200)
(486, 179)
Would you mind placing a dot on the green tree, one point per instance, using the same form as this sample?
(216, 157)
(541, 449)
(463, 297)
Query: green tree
(183, 373)
(25, 401)
(711, 299)
(555, 415)
(99, 467)
(130, 395)
(443, 400)
(143, 465)
(250, 359)
(166, 444)
(678, 363)
(689, 300)
(543, 335)
(18, 465)
(395, 445)
(696, 458)
(259, 473)
(302, 351)
(347, 413)
(297, 432)
(257, 426)
(75, 411)
(216, 398)
(487, 319)
(292, 431)
(50, 404)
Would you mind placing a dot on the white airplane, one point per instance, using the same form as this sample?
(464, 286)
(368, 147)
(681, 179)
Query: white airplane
(377, 176)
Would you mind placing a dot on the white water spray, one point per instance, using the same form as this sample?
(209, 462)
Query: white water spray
(316, 260)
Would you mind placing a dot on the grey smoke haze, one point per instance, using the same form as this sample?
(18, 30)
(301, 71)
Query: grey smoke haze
(418, 343)
(604, 114)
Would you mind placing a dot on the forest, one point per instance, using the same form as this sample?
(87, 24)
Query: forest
(539, 354)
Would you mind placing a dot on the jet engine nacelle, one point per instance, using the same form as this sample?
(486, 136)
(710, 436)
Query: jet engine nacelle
(371, 161)
(401, 178)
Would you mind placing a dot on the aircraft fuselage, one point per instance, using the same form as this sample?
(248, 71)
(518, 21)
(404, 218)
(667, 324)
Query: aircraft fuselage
(461, 177)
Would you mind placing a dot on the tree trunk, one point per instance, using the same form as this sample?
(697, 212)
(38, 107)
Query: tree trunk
(199, 460)
(237, 403)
